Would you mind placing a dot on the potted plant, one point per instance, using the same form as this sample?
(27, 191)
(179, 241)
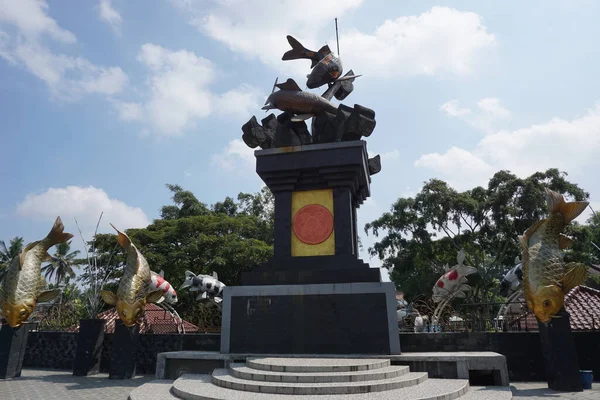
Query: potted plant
(96, 273)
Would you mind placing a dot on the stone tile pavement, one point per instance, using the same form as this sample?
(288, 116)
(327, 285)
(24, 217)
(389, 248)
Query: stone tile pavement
(44, 384)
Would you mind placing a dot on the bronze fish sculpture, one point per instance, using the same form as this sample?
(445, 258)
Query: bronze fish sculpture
(325, 64)
(292, 99)
(134, 289)
(21, 288)
(546, 276)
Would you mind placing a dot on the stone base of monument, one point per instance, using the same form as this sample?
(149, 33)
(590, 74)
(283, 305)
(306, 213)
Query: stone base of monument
(343, 318)
(124, 348)
(347, 378)
(13, 342)
(560, 355)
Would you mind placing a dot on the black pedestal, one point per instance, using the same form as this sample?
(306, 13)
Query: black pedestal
(560, 356)
(347, 318)
(89, 347)
(124, 349)
(12, 350)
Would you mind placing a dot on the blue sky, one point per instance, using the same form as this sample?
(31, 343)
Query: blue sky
(104, 102)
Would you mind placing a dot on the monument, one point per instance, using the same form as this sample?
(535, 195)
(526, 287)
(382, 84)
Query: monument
(315, 295)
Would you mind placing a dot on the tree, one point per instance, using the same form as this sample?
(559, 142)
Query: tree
(186, 204)
(8, 253)
(62, 263)
(421, 234)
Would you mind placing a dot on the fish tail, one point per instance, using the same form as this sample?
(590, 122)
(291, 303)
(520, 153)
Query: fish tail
(122, 238)
(57, 234)
(298, 51)
(569, 210)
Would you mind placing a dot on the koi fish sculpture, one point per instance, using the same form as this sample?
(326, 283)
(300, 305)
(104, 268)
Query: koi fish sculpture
(135, 286)
(511, 282)
(209, 286)
(325, 64)
(292, 99)
(454, 281)
(546, 276)
(158, 282)
(22, 284)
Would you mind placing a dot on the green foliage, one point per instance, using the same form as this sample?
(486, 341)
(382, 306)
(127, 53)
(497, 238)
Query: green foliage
(8, 253)
(421, 234)
(62, 263)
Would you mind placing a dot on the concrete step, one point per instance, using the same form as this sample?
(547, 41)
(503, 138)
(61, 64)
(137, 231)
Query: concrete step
(200, 387)
(281, 364)
(158, 389)
(240, 370)
(222, 378)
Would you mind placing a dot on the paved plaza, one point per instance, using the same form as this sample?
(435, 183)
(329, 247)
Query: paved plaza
(40, 384)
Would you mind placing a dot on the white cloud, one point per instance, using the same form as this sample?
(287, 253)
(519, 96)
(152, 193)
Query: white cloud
(490, 112)
(85, 204)
(30, 17)
(108, 14)
(179, 94)
(569, 145)
(237, 153)
(68, 77)
(439, 40)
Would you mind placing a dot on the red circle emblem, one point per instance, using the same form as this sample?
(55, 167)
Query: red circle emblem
(313, 224)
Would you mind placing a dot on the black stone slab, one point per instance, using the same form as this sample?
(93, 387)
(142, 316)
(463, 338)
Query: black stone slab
(124, 349)
(355, 318)
(13, 342)
(89, 347)
(560, 355)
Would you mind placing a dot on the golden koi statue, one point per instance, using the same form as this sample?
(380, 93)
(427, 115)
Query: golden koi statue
(134, 287)
(546, 276)
(22, 285)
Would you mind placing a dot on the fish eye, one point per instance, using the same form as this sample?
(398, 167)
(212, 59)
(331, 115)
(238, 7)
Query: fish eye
(546, 303)
(23, 313)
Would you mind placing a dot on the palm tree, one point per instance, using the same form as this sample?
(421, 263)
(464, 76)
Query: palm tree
(7, 254)
(62, 263)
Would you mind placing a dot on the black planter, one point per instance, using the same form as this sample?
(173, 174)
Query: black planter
(124, 351)
(89, 347)
(13, 342)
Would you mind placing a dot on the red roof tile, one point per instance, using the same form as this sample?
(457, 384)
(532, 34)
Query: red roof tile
(156, 320)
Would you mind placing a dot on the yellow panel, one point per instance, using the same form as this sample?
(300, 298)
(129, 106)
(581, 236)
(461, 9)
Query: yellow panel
(304, 198)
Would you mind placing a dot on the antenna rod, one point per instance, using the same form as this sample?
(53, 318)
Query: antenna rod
(337, 38)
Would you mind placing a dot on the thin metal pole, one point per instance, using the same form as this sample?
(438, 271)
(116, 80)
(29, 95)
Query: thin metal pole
(337, 37)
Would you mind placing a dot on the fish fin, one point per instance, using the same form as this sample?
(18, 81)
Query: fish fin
(347, 77)
(324, 50)
(530, 231)
(122, 238)
(204, 295)
(214, 275)
(460, 257)
(468, 270)
(460, 295)
(290, 84)
(48, 295)
(194, 289)
(218, 300)
(576, 275)
(109, 297)
(301, 117)
(47, 257)
(564, 241)
(517, 260)
(162, 273)
(557, 204)
(154, 296)
(57, 234)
